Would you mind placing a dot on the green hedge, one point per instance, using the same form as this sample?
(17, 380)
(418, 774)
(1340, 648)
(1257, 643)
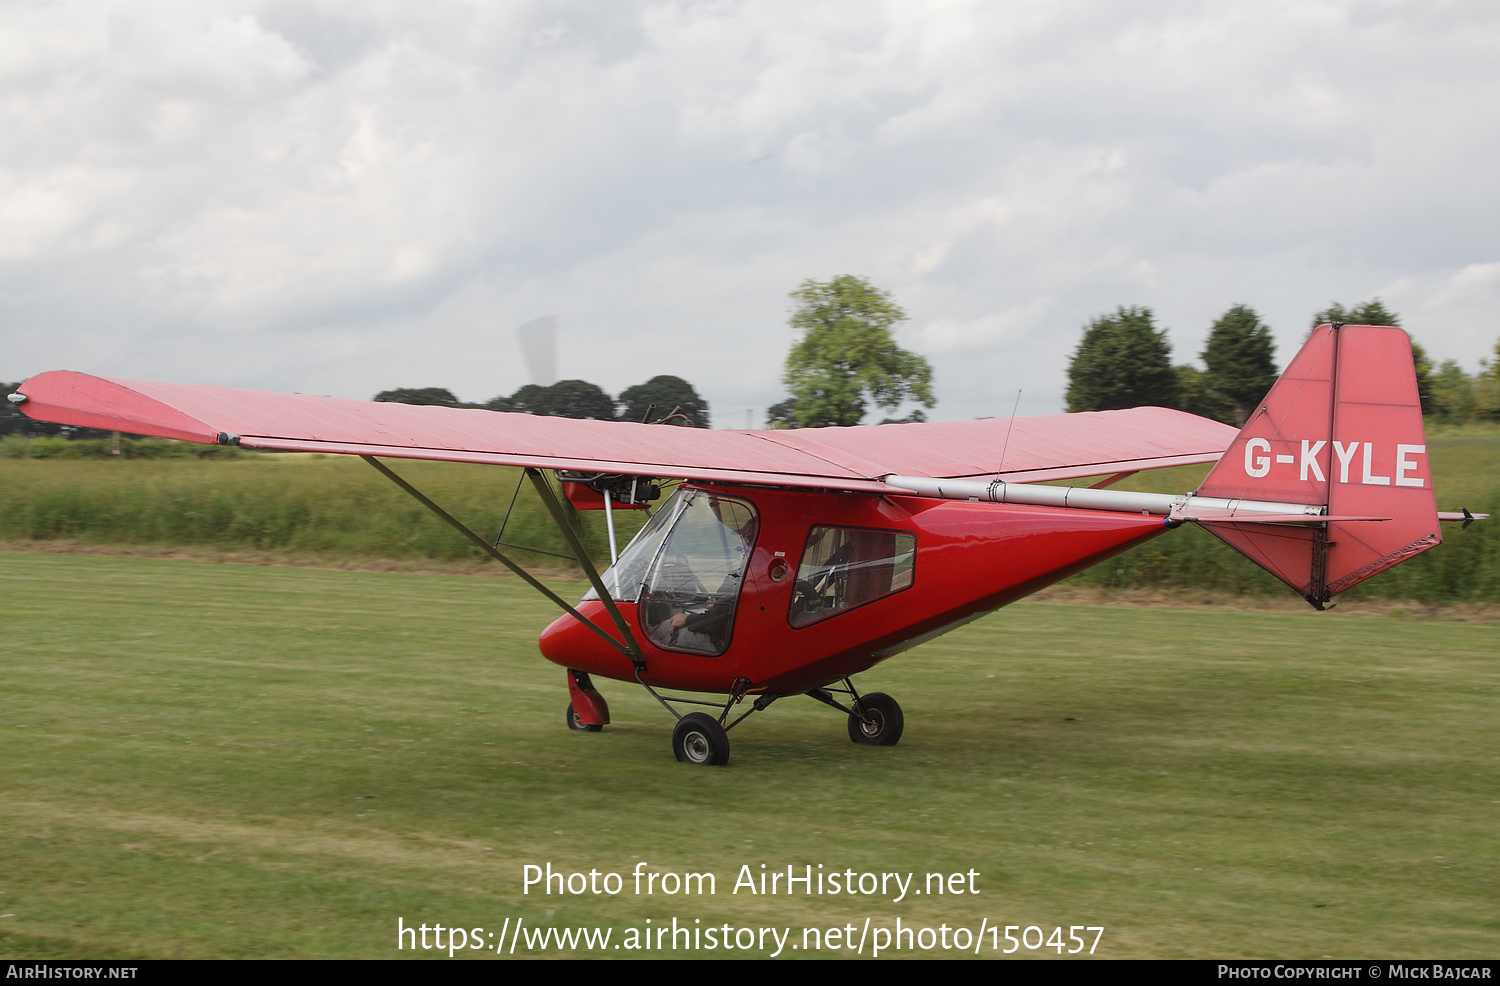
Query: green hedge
(334, 505)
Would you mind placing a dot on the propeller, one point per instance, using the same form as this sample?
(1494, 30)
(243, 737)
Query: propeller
(538, 339)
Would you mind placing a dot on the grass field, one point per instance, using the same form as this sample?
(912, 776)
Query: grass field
(231, 760)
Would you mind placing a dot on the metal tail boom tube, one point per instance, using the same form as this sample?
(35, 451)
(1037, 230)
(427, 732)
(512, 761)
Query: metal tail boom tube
(1177, 507)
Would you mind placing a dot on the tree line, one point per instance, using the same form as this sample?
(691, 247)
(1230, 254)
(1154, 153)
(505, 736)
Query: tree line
(1124, 360)
(658, 397)
(13, 422)
(846, 360)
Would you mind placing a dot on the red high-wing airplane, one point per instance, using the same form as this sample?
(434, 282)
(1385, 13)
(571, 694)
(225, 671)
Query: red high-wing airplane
(788, 561)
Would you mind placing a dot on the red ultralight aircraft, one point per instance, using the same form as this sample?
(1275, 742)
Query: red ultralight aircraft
(787, 562)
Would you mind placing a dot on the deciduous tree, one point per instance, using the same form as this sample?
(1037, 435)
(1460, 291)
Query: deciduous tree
(1192, 390)
(1122, 361)
(1487, 386)
(1455, 394)
(530, 399)
(847, 357)
(665, 392)
(1240, 357)
(1374, 312)
(564, 399)
(580, 399)
(419, 395)
(782, 415)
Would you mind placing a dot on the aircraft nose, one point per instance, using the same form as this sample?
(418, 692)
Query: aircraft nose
(572, 644)
(560, 639)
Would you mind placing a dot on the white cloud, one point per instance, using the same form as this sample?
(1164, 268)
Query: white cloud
(340, 198)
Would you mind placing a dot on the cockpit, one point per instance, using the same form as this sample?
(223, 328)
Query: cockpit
(686, 569)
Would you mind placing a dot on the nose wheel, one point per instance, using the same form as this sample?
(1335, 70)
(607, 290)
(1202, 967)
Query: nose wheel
(587, 712)
(578, 725)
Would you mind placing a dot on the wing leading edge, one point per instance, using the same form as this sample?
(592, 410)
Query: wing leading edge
(1033, 449)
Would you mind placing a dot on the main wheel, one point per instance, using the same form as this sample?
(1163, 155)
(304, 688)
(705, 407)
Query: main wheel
(876, 720)
(699, 739)
(578, 724)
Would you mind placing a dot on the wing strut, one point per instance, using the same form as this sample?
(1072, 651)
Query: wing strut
(543, 488)
(630, 650)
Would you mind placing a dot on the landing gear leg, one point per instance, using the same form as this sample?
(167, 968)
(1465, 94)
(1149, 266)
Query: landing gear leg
(703, 739)
(874, 719)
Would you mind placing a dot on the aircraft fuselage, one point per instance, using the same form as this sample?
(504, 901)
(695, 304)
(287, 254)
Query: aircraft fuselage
(951, 562)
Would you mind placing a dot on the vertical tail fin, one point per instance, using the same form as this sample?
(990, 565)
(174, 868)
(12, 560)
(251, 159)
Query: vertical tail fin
(1341, 428)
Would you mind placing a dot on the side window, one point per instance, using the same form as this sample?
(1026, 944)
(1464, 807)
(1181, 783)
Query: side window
(694, 583)
(845, 567)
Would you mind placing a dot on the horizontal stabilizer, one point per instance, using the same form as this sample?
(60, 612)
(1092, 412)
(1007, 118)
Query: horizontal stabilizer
(1245, 517)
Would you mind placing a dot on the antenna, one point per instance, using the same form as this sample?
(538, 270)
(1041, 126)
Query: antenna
(1001, 467)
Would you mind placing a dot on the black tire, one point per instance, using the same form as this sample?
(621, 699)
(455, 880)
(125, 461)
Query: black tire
(881, 723)
(578, 725)
(699, 739)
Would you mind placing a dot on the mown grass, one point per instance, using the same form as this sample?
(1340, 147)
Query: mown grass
(226, 760)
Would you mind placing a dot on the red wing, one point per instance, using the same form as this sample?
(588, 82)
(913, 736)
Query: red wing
(1059, 446)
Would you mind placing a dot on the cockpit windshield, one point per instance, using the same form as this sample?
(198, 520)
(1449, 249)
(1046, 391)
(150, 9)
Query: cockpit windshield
(627, 576)
(687, 567)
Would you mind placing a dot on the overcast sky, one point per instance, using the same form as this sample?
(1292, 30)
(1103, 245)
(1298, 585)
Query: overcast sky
(343, 197)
